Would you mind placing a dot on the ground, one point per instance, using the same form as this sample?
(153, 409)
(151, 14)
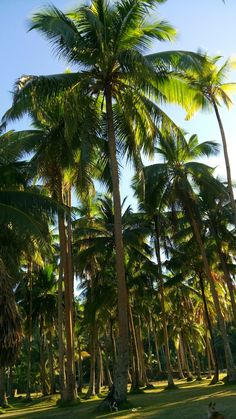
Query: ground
(190, 400)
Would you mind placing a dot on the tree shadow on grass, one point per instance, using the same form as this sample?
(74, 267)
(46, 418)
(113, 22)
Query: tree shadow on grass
(190, 401)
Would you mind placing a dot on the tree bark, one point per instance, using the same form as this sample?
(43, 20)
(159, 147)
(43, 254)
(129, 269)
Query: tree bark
(209, 325)
(80, 365)
(43, 373)
(224, 266)
(121, 375)
(3, 397)
(157, 351)
(136, 369)
(30, 326)
(61, 347)
(231, 371)
(163, 312)
(180, 371)
(69, 393)
(51, 363)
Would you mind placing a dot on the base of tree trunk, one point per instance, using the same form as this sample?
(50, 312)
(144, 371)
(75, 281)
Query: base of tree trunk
(214, 380)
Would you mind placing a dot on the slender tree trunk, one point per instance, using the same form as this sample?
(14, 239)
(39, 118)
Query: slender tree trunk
(10, 383)
(92, 377)
(100, 375)
(30, 333)
(43, 373)
(61, 348)
(180, 371)
(224, 266)
(113, 346)
(136, 369)
(226, 156)
(121, 375)
(208, 357)
(108, 373)
(163, 312)
(71, 278)
(3, 397)
(209, 325)
(51, 363)
(69, 394)
(184, 357)
(80, 384)
(231, 371)
(157, 352)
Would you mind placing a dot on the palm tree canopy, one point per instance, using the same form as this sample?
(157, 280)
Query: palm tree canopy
(210, 84)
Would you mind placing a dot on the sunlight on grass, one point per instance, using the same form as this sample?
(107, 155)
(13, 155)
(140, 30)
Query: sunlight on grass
(189, 400)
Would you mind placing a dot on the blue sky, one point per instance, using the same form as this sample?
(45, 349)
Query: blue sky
(205, 24)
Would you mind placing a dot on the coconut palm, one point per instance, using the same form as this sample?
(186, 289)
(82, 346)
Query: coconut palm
(107, 42)
(178, 179)
(212, 90)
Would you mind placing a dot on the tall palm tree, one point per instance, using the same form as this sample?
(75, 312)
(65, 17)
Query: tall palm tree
(107, 42)
(177, 179)
(212, 90)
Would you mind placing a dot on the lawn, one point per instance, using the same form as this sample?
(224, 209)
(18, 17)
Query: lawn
(190, 400)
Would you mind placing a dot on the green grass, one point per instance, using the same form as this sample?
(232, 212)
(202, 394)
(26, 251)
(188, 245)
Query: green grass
(190, 400)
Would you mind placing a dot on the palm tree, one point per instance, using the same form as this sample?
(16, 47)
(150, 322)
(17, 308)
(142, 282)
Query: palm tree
(211, 91)
(176, 181)
(107, 42)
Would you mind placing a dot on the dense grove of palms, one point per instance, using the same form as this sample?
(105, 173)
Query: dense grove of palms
(93, 293)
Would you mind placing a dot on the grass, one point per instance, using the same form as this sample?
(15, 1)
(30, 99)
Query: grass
(190, 400)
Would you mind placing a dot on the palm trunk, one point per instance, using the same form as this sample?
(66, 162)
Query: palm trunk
(180, 371)
(28, 385)
(3, 397)
(208, 357)
(231, 371)
(225, 270)
(157, 352)
(209, 325)
(100, 374)
(226, 156)
(184, 357)
(69, 394)
(121, 375)
(108, 373)
(163, 312)
(71, 275)
(51, 363)
(92, 376)
(43, 373)
(136, 367)
(61, 348)
(80, 365)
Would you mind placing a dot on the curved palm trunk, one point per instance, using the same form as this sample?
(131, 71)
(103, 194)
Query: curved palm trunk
(231, 371)
(121, 375)
(209, 325)
(224, 266)
(163, 312)
(226, 156)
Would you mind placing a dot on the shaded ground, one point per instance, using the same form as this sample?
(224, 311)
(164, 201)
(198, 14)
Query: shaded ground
(190, 400)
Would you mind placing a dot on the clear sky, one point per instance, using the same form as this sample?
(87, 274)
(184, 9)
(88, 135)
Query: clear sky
(205, 24)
